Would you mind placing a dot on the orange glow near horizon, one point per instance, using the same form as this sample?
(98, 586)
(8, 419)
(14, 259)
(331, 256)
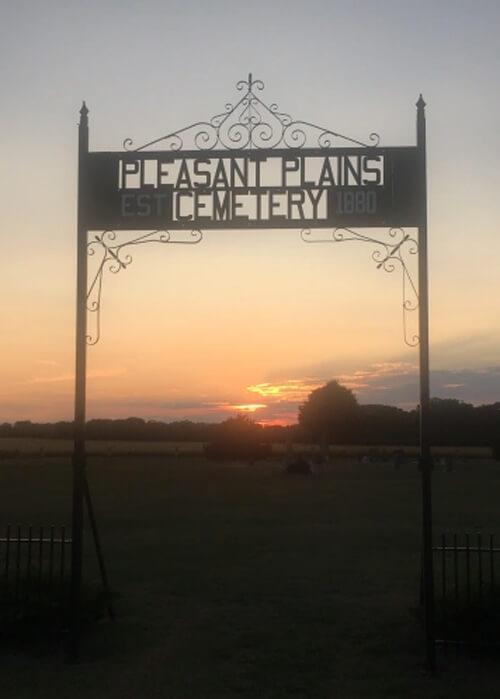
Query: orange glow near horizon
(276, 422)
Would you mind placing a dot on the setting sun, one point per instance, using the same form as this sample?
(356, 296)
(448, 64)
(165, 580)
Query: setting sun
(249, 408)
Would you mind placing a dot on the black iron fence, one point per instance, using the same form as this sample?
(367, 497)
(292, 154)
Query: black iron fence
(34, 570)
(467, 586)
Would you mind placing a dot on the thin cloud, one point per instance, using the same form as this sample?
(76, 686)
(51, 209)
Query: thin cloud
(293, 389)
(49, 379)
(105, 373)
(61, 378)
(159, 409)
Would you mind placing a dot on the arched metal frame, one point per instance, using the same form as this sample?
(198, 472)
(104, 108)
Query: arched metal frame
(248, 124)
(251, 124)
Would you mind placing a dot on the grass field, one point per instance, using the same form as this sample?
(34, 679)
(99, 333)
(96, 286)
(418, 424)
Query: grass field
(239, 581)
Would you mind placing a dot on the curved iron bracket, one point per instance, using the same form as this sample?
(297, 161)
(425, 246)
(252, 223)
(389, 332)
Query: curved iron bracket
(114, 259)
(388, 255)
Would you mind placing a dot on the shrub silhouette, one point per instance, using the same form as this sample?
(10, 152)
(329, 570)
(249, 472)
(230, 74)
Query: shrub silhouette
(495, 448)
(238, 438)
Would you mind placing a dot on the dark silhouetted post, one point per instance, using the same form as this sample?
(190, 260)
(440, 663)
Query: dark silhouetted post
(425, 449)
(79, 454)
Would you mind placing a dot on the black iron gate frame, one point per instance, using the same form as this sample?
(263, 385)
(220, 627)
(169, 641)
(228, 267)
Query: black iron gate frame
(248, 126)
(466, 567)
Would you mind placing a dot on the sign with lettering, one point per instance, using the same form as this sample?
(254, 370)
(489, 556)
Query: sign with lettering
(287, 188)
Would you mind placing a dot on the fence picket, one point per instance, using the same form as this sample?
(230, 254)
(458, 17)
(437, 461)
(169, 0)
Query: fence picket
(480, 567)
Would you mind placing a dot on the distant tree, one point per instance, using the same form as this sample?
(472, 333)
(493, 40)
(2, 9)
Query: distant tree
(6, 429)
(386, 424)
(331, 411)
(452, 422)
(23, 428)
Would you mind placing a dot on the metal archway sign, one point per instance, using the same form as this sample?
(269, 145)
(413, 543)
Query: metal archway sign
(250, 166)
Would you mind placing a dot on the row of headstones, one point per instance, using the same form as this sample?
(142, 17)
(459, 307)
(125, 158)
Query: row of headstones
(299, 463)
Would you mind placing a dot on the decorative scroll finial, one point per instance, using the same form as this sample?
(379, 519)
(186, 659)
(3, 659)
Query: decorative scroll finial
(250, 123)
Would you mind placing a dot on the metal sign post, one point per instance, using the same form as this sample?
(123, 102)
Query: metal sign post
(79, 453)
(425, 449)
(81, 492)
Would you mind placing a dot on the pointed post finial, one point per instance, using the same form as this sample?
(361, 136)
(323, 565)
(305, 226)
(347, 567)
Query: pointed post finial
(84, 114)
(421, 121)
(250, 80)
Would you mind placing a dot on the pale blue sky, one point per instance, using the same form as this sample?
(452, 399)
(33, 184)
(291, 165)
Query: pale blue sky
(146, 68)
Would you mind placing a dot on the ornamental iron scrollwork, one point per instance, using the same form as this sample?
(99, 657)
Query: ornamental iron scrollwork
(114, 257)
(388, 255)
(251, 124)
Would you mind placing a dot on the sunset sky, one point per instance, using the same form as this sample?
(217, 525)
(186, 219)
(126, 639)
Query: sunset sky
(253, 318)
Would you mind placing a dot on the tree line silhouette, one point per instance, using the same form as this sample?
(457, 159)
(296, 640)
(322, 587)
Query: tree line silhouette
(330, 412)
